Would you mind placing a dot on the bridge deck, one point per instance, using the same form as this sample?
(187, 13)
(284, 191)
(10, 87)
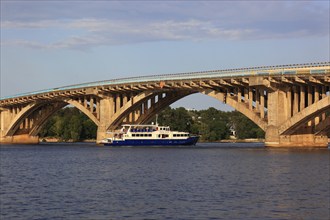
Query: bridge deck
(321, 68)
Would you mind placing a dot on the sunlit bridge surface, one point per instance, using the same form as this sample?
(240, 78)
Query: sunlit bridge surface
(289, 102)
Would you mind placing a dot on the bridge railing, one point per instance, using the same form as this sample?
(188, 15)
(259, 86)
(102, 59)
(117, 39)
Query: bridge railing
(241, 72)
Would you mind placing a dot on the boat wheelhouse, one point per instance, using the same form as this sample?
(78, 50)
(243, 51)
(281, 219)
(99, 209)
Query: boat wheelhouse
(143, 135)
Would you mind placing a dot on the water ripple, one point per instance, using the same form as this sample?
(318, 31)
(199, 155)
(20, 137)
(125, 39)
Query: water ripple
(210, 181)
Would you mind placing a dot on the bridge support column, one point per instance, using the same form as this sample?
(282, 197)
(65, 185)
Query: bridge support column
(5, 119)
(281, 105)
(20, 139)
(4, 123)
(296, 141)
(107, 106)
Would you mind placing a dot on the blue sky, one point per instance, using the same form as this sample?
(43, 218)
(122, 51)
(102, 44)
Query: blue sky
(47, 44)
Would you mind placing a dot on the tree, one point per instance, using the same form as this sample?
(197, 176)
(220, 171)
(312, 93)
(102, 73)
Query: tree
(214, 125)
(211, 124)
(178, 119)
(244, 127)
(75, 127)
(89, 129)
(69, 124)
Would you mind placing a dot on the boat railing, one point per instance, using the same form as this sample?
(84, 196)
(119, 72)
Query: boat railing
(142, 130)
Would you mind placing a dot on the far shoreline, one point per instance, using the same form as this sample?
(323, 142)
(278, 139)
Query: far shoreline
(248, 140)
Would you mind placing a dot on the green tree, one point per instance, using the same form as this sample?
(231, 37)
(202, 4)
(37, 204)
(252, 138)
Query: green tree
(178, 119)
(214, 125)
(244, 127)
(75, 127)
(211, 124)
(69, 124)
(89, 129)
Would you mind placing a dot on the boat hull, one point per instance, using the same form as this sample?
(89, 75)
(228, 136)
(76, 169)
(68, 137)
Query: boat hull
(154, 142)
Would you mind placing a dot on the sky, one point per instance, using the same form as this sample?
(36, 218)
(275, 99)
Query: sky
(48, 44)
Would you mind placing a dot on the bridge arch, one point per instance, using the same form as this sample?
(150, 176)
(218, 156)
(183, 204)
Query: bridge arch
(307, 114)
(37, 115)
(46, 114)
(84, 110)
(238, 106)
(162, 105)
(173, 96)
(18, 118)
(128, 108)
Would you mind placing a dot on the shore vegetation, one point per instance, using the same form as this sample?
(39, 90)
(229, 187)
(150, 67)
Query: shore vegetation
(211, 124)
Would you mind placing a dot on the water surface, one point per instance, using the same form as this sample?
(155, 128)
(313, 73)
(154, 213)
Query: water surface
(208, 181)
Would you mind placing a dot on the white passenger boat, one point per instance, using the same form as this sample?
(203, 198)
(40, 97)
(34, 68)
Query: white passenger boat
(143, 135)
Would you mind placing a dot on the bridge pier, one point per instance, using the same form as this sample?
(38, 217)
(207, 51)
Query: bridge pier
(101, 134)
(298, 140)
(283, 106)
(20, 139)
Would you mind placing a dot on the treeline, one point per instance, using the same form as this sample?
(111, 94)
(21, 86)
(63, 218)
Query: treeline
(69, 124)
(211, 124)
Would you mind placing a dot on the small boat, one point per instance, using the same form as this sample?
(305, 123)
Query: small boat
(149, 135)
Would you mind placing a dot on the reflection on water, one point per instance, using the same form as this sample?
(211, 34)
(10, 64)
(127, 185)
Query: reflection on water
(208, 181)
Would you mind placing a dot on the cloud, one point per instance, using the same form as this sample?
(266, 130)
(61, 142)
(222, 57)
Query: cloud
(112, 23)
(110, 32)
(30, 25)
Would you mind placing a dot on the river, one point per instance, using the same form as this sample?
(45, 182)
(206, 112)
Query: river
(207, 181)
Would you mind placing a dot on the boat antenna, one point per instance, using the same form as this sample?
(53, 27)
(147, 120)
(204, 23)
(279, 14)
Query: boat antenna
(156, 119)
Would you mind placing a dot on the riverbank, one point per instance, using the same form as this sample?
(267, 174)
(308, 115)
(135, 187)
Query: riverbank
(56, 140)
(249, 140)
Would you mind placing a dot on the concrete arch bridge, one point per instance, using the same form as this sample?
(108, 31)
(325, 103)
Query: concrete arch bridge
(291, 103)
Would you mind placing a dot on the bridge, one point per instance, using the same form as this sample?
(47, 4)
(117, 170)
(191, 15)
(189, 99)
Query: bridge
(291, 103)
